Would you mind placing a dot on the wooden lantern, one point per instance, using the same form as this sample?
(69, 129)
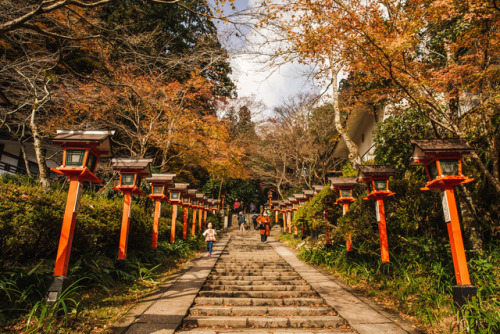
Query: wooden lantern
(131, 173)
(81, 153)
(376, 178)
(344, 186)
(159, 189)
(175, 198)
(442, 160)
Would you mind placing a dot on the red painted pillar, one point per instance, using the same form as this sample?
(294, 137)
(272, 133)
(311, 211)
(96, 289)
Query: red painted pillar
(456, 242)
(185, 227)
(127, 207)
(289, 222)
(327, 229)
(382, 231)
(348, 242)
(174, 219)
(156, 223)
(68, 227)
(193, 230)
(205, 218)
(200, 213)
(284, 222)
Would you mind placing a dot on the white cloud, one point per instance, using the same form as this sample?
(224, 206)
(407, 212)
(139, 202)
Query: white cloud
(253, 72)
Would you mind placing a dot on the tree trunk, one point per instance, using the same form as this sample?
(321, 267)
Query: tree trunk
(25, 158)
(354, 157)
(470, 221)
(40, 156)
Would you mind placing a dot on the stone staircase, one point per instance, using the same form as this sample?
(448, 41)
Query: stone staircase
(253, 290)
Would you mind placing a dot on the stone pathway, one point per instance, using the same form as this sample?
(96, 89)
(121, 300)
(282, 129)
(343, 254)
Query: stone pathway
(250, 287)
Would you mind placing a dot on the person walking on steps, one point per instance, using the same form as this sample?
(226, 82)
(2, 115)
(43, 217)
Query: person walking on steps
(254, 220)
(241, 221)
(264, 227)
(210, 238)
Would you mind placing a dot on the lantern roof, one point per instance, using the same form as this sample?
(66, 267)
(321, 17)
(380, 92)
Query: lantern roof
(161, 178)
(141, 166)
(216, 201)
(299, 196)
(99, 137)
(336, 182)
(318, 188)
(191, 192)
(426, 149)
(275, 202)
(181, 187)
(309, 192)
(369, 171)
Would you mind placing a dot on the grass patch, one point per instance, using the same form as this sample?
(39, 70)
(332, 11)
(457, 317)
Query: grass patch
(419, 288)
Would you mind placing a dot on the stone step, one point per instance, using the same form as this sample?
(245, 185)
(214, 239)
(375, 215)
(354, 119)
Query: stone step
(258, 294)
(253, 278)
(229, 287)
(232, 267)
(256, 282)
(310, 301)
(261, 311)
(262, 331)
(233, 272)
(264, 322)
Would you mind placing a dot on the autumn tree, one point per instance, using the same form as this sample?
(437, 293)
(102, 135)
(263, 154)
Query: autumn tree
(296, 146)
(437, 57)
(51, 47)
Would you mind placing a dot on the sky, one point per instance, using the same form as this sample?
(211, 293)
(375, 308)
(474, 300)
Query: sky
(252, 73)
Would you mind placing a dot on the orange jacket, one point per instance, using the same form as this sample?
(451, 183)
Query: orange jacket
(264, 220)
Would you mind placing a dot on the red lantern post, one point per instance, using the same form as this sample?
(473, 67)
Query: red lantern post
(81, 153)
(201, 205)
(194, 206)
(159, 188)
(344, 186)
(131, 173)
(301, 201)
(377, 180)
(442, 159)
(175, 199)
(293, 206)
(187, 199)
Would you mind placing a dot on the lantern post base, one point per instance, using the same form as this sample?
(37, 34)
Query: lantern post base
(349, 254)
(314, 234)
(121, 264)
(386, 268)
(328, 246)
(295, 236)
(57, 286)
(462, 294)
